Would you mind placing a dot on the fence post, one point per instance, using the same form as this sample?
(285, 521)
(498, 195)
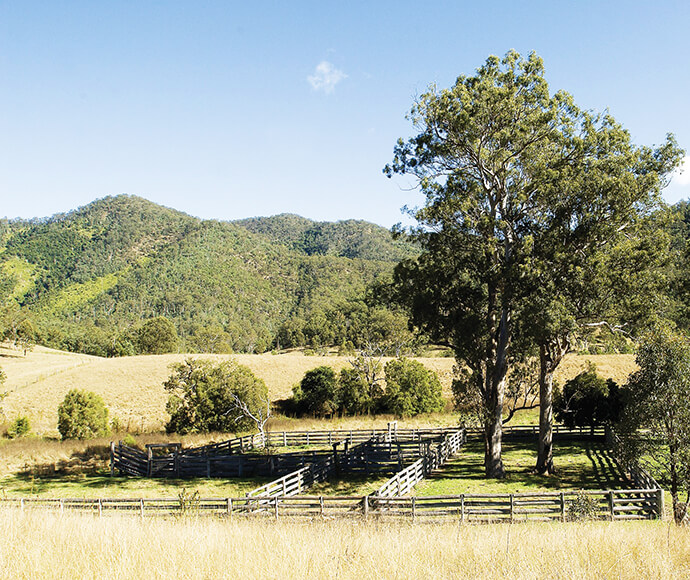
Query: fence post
(660, 503)
(149, 462)
(611, 504)
(512, 507)
(229, 507)
(414, 508)
(100, 507)
(276, 506)
(112, 458)
(462, 508)
(365, 507)
(141, 507)
(562, 507)
(321, 506)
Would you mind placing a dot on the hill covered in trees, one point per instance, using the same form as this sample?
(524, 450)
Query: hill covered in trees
(92, 279)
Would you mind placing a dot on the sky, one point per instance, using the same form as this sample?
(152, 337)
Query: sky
(233, 109)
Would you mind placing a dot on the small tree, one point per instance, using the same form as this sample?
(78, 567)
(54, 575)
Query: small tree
(656, 418)
(157, 336)
(317, 393)
(82, 415)
(215, 397)
(588, 400)
(20, 427)
(355, 395)
(411, 388)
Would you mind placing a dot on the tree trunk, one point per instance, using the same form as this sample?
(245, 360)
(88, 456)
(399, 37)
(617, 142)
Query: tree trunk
(550, 356)
(494, 393)
(493, 439)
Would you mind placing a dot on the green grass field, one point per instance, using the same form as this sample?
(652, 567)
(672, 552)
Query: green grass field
(580, 465)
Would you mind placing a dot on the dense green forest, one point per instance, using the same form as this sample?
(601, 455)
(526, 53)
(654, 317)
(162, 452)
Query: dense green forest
(123, 275)
(94, 280)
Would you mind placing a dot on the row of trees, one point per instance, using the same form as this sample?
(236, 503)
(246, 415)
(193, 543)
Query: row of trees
(403, 387)
(540, 224)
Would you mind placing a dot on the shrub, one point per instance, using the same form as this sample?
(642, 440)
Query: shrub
(355, 396)
(19, 428)
(205, 397)
(157, 336)
(588, 400)
(317, 393)
(411, 389)
(82, 415)
(582, 507)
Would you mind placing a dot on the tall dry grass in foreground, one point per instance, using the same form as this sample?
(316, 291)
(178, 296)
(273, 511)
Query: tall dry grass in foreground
(71, 546)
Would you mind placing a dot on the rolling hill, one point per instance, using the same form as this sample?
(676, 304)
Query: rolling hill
(89, 277)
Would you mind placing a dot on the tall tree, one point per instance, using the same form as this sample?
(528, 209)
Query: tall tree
(493, 157)
(656, 421)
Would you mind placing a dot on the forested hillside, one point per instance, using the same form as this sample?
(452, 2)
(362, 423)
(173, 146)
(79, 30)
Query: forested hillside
(98, 279)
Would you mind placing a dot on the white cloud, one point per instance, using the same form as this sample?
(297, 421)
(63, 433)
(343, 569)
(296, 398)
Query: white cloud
(325, 77)
(681, 176)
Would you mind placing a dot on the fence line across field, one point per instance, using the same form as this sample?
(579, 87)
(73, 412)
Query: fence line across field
(613, 505)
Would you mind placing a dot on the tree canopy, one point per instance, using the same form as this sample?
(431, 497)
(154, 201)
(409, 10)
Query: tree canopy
(224, 397)
(507, 169)
(656, 419)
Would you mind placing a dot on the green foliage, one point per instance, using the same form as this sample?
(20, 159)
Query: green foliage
(82, 415)
(19, 428)
(206, 397)
(355, 395)
(317, 393)
(88, 278)
(157, 336)
(582, 507)
(519, 183)
(588, 400)
(656, 417)
(411, 389)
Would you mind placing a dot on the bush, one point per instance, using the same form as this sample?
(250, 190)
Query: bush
(317, 393)
(82, 415)
(157, 336)
(588, 400)
(355, 393)
(204, 397)
(411, 389)
(19, 428)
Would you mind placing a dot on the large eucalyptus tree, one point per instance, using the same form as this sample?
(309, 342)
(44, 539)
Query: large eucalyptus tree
(503, 163)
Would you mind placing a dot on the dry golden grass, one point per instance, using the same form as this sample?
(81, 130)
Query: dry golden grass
(70, 546)
(132, 387)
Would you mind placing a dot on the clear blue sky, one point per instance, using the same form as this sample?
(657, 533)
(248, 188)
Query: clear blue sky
(230, 109)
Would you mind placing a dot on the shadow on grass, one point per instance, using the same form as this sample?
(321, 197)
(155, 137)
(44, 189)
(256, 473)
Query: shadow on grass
(579, 465)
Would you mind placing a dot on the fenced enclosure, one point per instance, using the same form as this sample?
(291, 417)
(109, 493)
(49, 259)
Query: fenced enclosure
(390, 450)
(408, 455)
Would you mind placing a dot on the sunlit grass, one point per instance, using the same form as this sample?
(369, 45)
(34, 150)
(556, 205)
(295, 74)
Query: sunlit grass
(40, 545)
(579, 464)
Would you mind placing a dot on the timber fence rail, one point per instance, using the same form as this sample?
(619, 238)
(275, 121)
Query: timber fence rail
(614, 505)
(403, 481)
(385, 452)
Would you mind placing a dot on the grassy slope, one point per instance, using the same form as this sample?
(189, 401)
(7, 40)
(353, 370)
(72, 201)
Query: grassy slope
(132, 386)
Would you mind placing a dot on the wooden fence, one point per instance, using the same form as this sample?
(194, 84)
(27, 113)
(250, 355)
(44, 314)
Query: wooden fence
(614, 505)
(382, 453)
(403, 481)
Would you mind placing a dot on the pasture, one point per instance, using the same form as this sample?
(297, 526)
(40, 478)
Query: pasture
(132, 387)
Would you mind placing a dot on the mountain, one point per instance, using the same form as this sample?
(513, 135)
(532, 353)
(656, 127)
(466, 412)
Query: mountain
(89, 278)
